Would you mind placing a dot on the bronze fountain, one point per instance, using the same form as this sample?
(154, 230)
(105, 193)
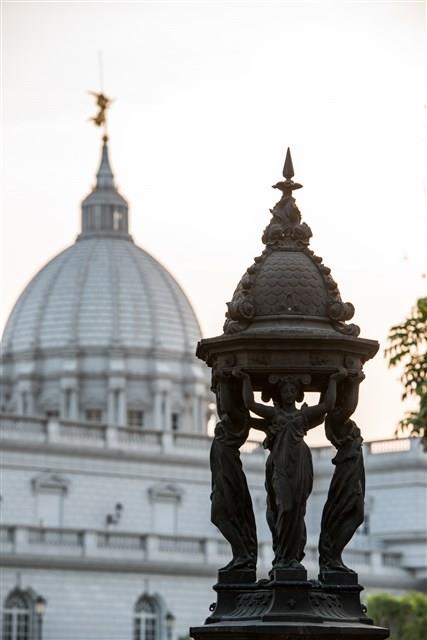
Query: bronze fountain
(286, 333)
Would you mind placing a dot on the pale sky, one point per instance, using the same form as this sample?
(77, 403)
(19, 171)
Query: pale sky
(208, 95)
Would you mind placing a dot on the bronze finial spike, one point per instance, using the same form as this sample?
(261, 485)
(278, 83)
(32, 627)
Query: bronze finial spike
(288, 168)
(288, 173)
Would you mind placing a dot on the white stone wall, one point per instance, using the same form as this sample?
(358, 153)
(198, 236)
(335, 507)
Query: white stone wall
(97, 485)
(163, 485)
(88, 605)
(395, 496)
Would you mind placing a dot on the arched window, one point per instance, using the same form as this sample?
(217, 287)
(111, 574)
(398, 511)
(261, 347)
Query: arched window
(146, 621)
(17, 616)
(152, 620)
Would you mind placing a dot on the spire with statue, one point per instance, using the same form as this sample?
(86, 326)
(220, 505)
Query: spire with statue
(104, 211)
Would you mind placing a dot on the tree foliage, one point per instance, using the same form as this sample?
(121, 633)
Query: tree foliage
(407, 345)
(405, 616)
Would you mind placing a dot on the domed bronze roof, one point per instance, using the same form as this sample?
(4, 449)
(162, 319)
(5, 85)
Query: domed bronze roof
(288, 281)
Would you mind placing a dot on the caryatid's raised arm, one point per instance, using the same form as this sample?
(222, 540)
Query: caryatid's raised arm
(316, 414)
(262, 410)
(337, 425)
(230, 405)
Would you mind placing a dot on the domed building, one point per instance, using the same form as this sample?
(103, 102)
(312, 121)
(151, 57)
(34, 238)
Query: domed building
(105, 526)
(104, 333)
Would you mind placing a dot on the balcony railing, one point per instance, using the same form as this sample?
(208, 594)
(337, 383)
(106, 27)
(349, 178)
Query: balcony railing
(93, 544)
(80, 434)
(67, 433)
(104, 545)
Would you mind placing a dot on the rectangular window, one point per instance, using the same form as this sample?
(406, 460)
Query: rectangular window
(150, 628)
(135, 418)
(7, 626)
(22, 626)
(165, 517)
(24, 402)
(137, 629)
(145, 626)
(93, 415)
(49, 509)
(16, 625)
(175, 421)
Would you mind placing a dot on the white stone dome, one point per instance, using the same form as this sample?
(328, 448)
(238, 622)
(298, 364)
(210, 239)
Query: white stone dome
(102, 292)
(104, 332)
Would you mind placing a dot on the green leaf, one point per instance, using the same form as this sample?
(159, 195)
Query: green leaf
(407, 344)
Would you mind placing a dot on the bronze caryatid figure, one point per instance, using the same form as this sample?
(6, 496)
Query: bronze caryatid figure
(289, 467)
(287, 333)
(231, 504)
(344, 508)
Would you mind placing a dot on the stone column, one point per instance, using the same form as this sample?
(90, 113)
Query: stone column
(89, 546)
(20, 540)
(157, 411)
(111, 407)
(69, 408)
(117, 409)
(166, 411)
(52, 431)
(161, 405)
(74, 405)
(121, 408)
(198, 422)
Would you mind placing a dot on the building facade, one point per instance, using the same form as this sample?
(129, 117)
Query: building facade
(106, 483)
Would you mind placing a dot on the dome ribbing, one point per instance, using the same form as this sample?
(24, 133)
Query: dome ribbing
(102, 292)
(104, 332)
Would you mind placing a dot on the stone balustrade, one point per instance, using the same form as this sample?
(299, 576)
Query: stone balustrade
(106, 545)
(65, 542)
(97, 436)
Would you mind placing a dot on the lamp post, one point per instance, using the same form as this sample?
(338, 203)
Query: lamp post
(170, 620)
(40, 608)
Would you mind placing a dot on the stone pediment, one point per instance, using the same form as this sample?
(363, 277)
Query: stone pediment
(50, 482)
(164, 492)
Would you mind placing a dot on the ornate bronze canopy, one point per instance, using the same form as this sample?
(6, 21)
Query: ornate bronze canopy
(286, 313)
(287, 332)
